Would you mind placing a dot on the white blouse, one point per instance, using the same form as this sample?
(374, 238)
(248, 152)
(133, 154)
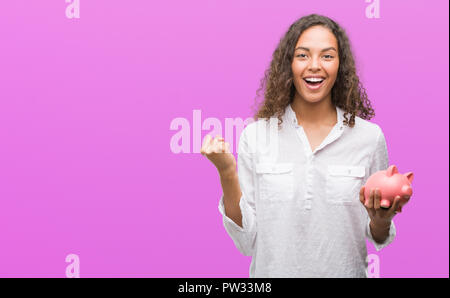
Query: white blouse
(301, 213)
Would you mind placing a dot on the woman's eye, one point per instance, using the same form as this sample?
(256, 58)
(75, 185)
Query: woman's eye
(326, 56)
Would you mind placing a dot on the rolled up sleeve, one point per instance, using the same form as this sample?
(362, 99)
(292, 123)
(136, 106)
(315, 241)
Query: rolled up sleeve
(380, 162)
(243, 237)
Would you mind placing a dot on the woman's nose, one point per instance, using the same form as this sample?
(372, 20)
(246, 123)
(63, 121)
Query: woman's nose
(314, 64)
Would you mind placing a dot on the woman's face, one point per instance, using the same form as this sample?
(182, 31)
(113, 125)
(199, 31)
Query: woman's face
(316, 55)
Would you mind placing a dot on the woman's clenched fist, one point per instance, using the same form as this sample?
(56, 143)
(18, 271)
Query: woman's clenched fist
(218, 152)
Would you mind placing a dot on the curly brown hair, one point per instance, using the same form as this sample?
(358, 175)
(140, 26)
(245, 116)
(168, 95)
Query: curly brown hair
(347, 92)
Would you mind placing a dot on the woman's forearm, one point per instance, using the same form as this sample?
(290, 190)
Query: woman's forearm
(231, 194)
(380, 231)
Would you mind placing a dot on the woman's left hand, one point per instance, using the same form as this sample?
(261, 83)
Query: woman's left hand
(372, 204)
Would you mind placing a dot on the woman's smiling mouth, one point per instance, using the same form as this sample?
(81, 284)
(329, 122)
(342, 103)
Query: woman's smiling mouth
(313, 83)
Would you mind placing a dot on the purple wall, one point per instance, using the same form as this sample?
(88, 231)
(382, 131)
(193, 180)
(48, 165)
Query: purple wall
(86, 165)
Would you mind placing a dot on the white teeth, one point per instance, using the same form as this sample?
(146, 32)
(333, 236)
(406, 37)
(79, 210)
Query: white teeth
(313, 80)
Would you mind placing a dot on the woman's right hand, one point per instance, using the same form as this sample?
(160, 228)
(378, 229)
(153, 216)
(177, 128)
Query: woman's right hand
(218, 152)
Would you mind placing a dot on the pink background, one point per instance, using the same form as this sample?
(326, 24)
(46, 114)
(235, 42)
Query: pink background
(85, 112)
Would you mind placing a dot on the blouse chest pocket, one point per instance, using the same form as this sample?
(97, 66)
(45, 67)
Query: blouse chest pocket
(276, 181)
(343, 184)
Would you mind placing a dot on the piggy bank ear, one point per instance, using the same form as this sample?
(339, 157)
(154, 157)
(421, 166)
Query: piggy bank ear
(391, 170)
(410, 176)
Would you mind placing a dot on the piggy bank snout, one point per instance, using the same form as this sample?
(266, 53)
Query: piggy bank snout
(407, 190)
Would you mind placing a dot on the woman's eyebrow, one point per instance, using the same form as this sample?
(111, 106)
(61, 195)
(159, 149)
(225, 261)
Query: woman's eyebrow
(324, 50)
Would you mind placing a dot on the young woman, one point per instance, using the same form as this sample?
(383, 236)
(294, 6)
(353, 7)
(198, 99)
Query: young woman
(296, 204)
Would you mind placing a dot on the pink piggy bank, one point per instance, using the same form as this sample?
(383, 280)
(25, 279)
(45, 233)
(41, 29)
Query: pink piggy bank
(391, 184)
